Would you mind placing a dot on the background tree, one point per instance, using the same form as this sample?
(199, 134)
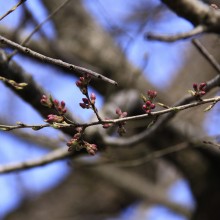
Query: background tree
(125, 169)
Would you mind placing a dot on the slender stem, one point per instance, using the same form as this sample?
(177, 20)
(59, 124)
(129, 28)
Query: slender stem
(115, 121)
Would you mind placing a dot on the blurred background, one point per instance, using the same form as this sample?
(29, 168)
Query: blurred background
(108, 37)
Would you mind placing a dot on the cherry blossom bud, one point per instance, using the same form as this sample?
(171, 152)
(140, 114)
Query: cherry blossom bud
(83, 105)
(124, 114)
(152, 106)
(151, 94)
(85, 100)
(55, 102)
(202, 93)
(195, 86)
(118, 111)
(202, 86)
(63, 104)
(148, 103)
(93, 96)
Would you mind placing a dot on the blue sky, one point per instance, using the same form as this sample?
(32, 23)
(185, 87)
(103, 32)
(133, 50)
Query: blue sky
(160, 65)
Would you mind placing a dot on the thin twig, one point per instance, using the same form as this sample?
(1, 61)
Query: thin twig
(43, 58)
(206, 54)
(12, 9)
(27, 39)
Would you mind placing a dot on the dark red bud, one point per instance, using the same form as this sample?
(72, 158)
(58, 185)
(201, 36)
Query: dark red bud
(195, 86)
(202, 86)
(83, 105)
(152, 106)
(148, 103)
(85, 100)
(63, 104)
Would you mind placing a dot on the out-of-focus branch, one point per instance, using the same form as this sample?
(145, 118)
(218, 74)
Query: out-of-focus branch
(139, 187)
(27, 39)
(207, 55)
(203, 17)
(197, 12)
(197, 30)
(49, 158)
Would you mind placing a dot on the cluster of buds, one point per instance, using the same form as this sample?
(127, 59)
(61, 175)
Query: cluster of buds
(60, 106)
(76, 143)
(50, 103)
(87, 103)
(83, 82)
(199, 90)
(54, 118)
(90, 148)
(55, 104)
(121, 129)
(148, 103)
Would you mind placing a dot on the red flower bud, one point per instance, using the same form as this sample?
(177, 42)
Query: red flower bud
(85, 100)
(151, 94)
(63, 104)
(152, 106)
(202, 86)
(195, 86)
(83, 105)
(93, 96)
(148, 103)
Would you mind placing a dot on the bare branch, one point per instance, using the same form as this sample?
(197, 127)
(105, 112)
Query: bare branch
(49, 158)
(57, 62)
(197, 12)
(207, 55)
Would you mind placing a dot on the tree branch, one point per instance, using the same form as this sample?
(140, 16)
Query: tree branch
(48, 158)
(57, 62)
